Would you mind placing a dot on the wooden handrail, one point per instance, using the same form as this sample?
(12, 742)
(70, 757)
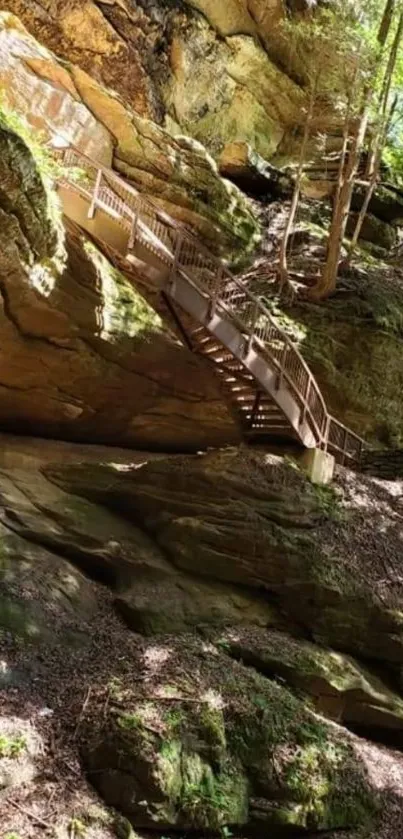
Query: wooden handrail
(189, 258)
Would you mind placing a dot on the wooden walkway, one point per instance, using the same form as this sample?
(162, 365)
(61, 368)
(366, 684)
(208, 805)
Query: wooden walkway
(270, 388)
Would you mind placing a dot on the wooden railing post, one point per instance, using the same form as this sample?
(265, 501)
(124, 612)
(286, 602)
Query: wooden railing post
(95, 194)
(343, 460)
(326, 433)
(282, 365)
(216, 292)
(133, 228)
(175, 263)
(306, 397)
(255, 318)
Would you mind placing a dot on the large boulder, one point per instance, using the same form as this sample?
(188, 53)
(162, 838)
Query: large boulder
(221, 746)
(340, 686)
(254, 521)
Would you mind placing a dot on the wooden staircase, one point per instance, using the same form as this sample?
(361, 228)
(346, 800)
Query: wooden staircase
(271, 391)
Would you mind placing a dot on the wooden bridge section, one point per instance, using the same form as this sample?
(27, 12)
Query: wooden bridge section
(265, 379)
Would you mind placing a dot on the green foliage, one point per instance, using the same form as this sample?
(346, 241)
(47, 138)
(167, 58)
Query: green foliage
(329, 502)
(169, 749)
(129, 721)
(77, 828)
(207, 802)
(36, 142)
(174, 718)
(12, 747)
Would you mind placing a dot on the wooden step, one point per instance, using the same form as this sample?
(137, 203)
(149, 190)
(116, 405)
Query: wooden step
(218, 352)
(269, 408)
(255, 416)
(269, 430)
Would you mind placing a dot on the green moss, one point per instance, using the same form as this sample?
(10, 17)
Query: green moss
(130, 721)
(319, 766)
(210, 800)
(329, 502)
(123, 312)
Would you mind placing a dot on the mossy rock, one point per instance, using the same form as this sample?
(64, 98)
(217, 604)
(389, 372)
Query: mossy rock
(342, 688)
(220, 749)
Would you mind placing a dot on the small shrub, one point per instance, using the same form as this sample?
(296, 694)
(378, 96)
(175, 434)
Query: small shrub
(12, 747)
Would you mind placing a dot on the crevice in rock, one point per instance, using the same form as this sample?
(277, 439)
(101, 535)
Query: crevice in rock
(80, 558)
(277, 672)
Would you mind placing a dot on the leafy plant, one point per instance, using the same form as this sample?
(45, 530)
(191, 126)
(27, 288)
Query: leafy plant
(77, 828)
(12, 747)
(329, 502)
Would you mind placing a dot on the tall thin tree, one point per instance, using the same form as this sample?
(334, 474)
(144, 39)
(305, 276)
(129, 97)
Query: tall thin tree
(348, 171)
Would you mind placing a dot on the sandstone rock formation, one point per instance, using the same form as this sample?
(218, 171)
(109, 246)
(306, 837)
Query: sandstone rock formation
(242, 519)
(164, 60)
(62, 100)
(361, 386)
(82, 354)
(244, 722)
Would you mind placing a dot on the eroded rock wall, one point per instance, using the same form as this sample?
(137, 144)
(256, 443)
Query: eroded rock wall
(82, 354)
(219, 72)
(63, 101)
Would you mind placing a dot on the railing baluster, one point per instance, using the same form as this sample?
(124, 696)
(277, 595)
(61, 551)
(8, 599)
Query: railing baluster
(280, 377)
(215, 292)
(255, 318)
(306, 401)
(175, 263)
(133, 229)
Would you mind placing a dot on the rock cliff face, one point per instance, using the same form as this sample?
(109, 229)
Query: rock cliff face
(62, 100)
(82, 354)
(217, 71)
(267, 644)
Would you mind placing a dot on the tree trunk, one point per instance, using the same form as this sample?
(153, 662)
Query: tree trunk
(386, 22)
(342, 204)
(375, 160)
(283, 267)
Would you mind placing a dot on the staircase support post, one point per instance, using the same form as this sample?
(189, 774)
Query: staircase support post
(319, 466)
